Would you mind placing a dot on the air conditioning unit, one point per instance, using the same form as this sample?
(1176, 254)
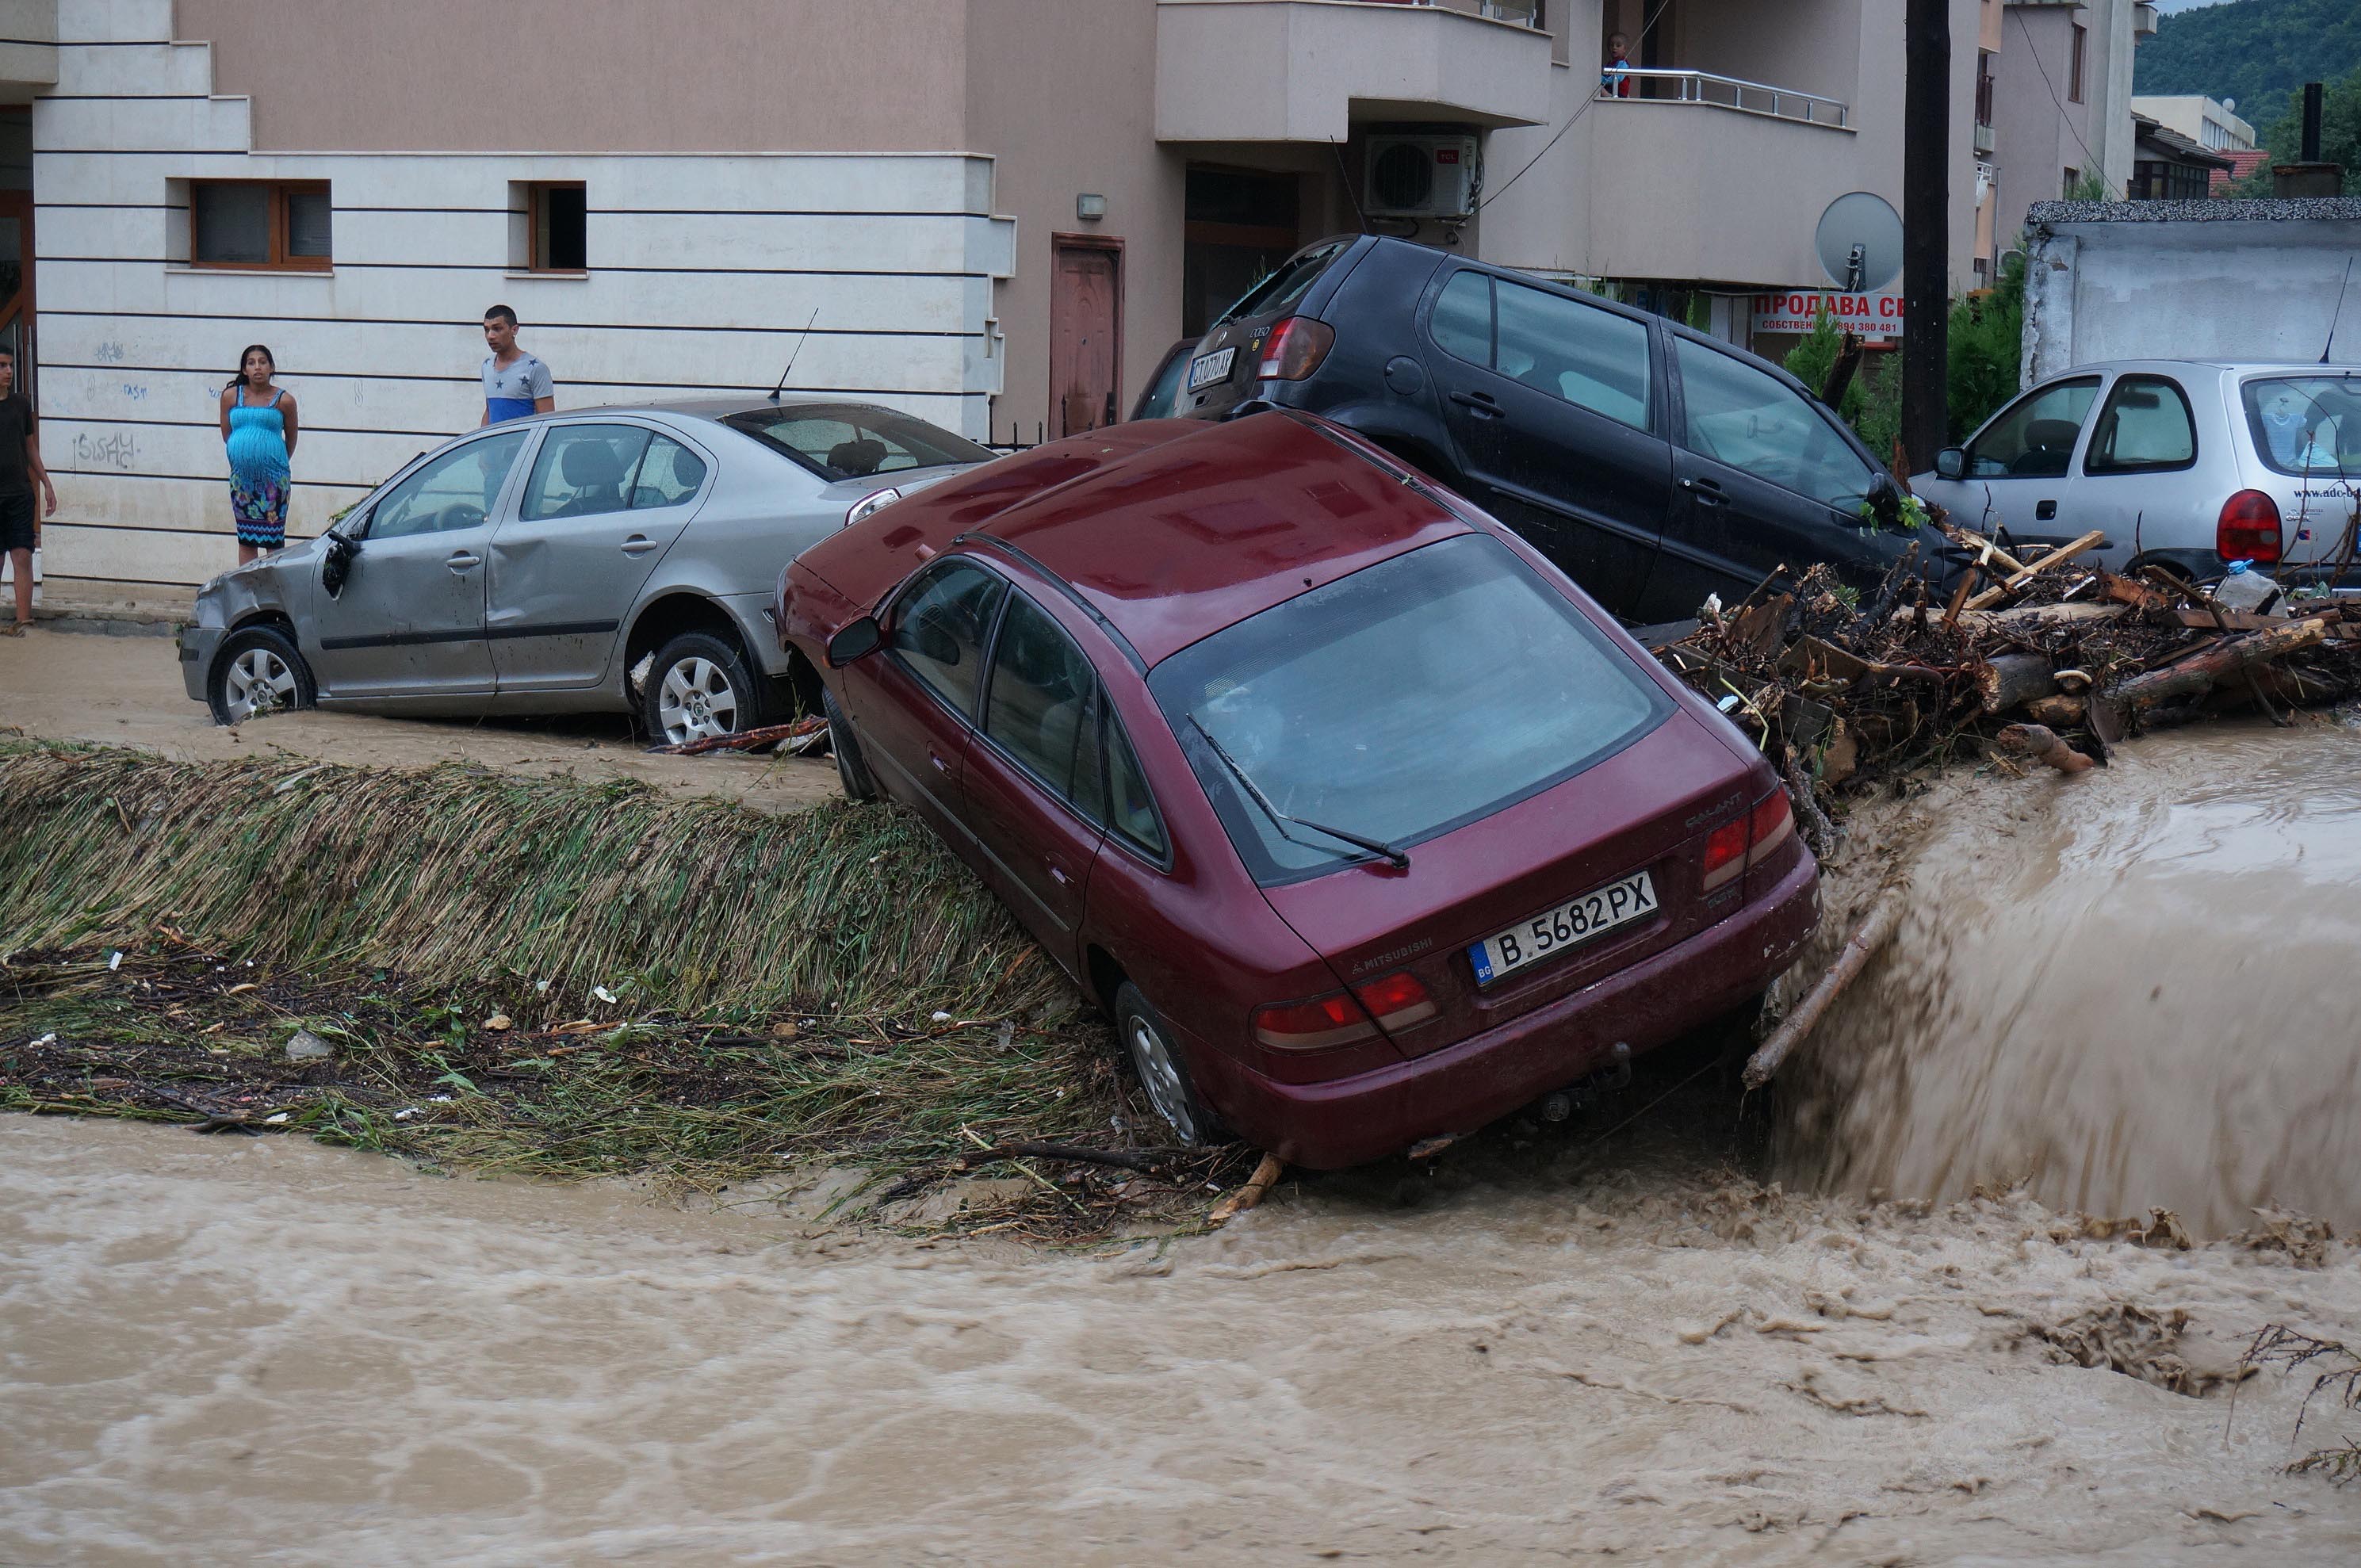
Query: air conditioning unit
(1420, 176)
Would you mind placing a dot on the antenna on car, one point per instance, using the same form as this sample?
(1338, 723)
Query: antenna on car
(798, 348)
(2339, 311)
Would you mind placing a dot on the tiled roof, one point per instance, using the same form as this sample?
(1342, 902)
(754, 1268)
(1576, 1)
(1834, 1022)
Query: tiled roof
(2242, 163)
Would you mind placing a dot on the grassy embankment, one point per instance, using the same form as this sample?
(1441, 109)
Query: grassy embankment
(777, 982)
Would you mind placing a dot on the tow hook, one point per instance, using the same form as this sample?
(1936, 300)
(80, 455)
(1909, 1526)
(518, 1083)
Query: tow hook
(1581, 1094)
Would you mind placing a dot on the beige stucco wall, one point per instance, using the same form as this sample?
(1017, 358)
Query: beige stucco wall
(563, 76)
(1065, 109)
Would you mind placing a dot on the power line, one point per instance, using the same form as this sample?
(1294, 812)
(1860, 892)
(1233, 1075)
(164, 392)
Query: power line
(1646, 28)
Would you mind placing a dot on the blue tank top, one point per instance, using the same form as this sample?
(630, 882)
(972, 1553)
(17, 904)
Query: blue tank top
(258, 439)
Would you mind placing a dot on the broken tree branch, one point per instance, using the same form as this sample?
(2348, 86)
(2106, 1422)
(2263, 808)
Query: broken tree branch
(2042, 744)
(1863, 944)
(2198, 673)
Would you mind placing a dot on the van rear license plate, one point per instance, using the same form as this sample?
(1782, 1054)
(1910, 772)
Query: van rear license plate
(1208, 368)
(1569, 925)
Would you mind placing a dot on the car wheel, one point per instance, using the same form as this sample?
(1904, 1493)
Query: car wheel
(851, 767)
(698, 689)
(256, 673)
(1155, 1058)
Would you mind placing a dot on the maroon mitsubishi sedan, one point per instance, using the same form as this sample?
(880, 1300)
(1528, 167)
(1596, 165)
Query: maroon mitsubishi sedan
(1363, 823)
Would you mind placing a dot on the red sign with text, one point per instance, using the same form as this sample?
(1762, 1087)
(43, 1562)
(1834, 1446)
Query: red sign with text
(1877, 318)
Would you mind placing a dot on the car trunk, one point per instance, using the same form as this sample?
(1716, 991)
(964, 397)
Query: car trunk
(1649, 807)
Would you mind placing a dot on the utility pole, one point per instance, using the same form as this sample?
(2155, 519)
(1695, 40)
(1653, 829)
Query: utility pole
(1926, 229)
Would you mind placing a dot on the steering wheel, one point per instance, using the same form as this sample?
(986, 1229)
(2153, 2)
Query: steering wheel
(456, 516)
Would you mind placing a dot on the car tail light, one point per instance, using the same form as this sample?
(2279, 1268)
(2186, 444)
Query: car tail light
(1396, 1002)
(1312, 1025)
(1295, 348)
(1773, 820)
(870, 505)
(2249, 529)
(1725, 852)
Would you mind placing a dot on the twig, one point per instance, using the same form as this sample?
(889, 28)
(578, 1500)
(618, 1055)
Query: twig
(1147, 1162)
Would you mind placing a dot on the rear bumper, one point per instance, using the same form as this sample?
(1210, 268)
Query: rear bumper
(1327, 1126)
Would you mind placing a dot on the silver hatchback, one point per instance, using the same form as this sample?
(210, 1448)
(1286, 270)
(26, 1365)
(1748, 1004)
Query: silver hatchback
(613, 559)
(2180, 463)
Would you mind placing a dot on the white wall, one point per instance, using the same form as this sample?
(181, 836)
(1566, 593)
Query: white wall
(704, 271)
(2190, 289)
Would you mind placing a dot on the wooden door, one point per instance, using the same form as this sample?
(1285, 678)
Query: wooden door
(1085, 332)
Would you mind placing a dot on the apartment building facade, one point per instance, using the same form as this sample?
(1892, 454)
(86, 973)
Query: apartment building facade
(996, 213)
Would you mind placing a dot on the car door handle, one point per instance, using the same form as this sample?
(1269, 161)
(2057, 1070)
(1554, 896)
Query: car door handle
(1057, 875)
(1481, 401)
(460, 561)
(2044, 511)
(638, 545)
(1706, 491)
(940, 766)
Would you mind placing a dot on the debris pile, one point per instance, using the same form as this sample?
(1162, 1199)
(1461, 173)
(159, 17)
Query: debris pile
(2032, 655)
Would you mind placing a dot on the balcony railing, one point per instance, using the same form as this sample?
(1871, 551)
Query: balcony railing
(1732, 92)
(1524, 13)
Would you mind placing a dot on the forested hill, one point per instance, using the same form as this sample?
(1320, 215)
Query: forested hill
(2260, 53)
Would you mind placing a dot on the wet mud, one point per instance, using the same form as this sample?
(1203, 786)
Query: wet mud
(126, 691)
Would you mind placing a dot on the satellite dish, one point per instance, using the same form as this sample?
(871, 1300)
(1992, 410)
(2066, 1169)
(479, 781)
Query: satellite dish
(1860, 242)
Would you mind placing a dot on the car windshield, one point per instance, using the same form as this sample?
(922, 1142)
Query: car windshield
(1278, 294)
(2307, 424)
(853, 441)
(1398, 703)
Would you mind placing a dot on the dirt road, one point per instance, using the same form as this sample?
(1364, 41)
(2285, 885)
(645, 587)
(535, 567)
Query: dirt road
(126, 691)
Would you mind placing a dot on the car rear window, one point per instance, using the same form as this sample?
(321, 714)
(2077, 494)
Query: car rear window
(1278, 294)
(853, 441)
(2306, 424)
(1398, 703)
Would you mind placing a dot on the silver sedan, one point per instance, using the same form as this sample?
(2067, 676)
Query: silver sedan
(600, 560)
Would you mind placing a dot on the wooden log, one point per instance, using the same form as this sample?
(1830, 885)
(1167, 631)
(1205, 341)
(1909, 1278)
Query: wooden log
(2133, 592)
(2059, 712)
(2196, 673)
(2042, 745)
(1799, 1022)
(1266, 1177)
(1848, 360)
(2009, 679)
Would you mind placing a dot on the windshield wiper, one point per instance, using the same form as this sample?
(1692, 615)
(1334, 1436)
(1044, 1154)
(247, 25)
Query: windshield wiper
(1399, 857)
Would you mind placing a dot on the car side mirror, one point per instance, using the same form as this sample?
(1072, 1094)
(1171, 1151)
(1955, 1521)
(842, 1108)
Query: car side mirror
(856, 641)
(1951, 462)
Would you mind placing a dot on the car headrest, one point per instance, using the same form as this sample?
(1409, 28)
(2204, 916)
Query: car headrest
(588, 464)
(2055, 434)
(858, 457)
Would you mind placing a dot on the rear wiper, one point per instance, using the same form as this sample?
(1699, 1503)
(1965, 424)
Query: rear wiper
(1399, 857)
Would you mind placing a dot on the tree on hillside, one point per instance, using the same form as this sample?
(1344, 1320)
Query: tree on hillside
(2340, 137)
(2257, 51)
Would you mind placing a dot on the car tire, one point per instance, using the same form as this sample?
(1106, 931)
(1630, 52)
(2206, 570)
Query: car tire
(255, 672)
(851, 767)
(1164, 1078)
(699, 688)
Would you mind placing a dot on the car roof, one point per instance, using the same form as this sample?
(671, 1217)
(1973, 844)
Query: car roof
(2235, 367)
(1169, 530)
(717, 409)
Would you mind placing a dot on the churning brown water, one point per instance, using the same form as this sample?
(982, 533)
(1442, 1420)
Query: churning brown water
(2136, 987)
(262, 1351)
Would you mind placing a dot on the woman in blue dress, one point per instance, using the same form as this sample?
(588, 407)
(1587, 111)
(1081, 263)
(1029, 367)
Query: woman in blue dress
(257, 422)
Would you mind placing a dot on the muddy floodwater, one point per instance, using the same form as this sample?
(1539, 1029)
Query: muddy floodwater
(2130, 991)
(2131, 988)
